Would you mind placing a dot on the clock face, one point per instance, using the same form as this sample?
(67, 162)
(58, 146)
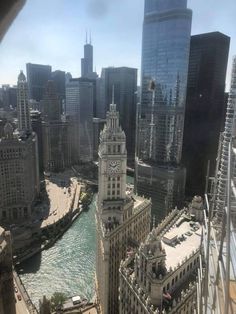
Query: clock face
(114, 166)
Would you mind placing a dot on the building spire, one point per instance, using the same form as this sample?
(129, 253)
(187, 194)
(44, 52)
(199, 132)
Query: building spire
(90, 38)
(86, 37)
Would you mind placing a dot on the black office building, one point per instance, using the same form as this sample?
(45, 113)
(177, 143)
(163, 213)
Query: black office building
(205, 107)
(37, 77)
(124, 80)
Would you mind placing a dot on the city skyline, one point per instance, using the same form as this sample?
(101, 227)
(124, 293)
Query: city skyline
(58, 41)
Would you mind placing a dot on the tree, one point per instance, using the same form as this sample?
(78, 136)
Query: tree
(57, 300)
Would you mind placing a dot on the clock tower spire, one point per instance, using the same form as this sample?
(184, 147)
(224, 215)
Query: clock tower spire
(112, 161)
(122, 218)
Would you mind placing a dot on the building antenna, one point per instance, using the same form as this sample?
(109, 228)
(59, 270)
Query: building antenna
(90, 38)
(86, 38)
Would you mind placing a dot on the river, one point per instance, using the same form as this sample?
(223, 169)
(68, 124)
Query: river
(68, 266)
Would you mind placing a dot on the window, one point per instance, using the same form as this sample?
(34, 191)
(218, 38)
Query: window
(118, 148)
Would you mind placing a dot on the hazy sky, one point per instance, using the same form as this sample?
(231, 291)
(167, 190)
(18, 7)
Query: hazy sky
(53, 32)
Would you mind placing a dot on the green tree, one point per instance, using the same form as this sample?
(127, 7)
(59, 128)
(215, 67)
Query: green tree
(57, 300)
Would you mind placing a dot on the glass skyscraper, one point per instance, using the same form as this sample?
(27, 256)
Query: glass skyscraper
(165, 56)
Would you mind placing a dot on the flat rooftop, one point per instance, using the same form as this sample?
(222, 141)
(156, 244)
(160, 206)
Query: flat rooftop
(176, 252)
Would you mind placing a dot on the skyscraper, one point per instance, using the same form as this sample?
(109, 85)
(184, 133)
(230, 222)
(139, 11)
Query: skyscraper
(23, 112)
(124, 81)
(37, 77)
(59, 79)
(165, 55)
(122, 218)
(205, 106)
(55, 132)
(51, 103)
(79, 109)
(87, 60)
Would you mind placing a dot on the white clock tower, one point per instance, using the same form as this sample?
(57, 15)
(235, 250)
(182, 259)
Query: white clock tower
(112, 162)
(121, 218)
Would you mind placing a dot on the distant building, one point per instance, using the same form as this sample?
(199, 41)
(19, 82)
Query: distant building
(8, 97)
(122, 218)
(165, 57)
(51, 106)
(36, 123)
(160, 277)
(124, 81)
(56, 146)
(19, 175)
(98, 125)
(7, 293)
(59, 79)
(37, 77)
(205, 107)
(87, 61)
(23, 110)
(79, 110)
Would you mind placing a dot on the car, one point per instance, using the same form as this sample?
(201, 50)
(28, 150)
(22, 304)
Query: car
(19, 297)
(16, 290)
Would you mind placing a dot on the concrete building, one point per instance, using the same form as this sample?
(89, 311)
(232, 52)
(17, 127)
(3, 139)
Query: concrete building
(79, 110)
(160, 277)
(87, 61)
(23, 111)
(124, 81)
(7, 298)
(122, 218)
(165, 57)
(205, 107)
(37, 77)
(19, 175)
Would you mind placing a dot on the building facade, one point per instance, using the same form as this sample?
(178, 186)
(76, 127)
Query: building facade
(23, 110)
(37, 77)
(79, 110)
(205, 107)
(7, 294)
(19, 175)
(124, 82)
(165, 55)
(122, 218)
(160, 277)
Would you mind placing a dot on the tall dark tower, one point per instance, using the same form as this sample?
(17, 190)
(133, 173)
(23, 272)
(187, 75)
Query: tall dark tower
(205, 106)
(165, 56)
(87, 60)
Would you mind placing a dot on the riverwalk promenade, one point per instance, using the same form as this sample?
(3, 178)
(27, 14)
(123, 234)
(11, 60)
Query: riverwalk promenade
(51, 216)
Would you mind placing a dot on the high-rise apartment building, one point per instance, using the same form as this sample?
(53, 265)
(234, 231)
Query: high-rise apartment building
(7, 297)
(23, 112)
(122, 218)
(161, 276)
(165, 56)
(79, 108)
(37, 77)
(205, 107)
(124, 82)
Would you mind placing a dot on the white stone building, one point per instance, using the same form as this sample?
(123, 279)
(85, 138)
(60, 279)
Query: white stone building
(122, 218)
(160, 277)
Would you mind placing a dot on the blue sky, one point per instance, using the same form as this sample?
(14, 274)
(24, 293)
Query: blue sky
(53, 32)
